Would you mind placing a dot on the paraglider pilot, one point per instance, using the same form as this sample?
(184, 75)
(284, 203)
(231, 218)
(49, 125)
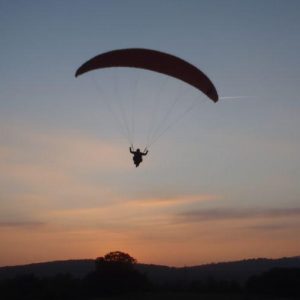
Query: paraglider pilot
(137, 155)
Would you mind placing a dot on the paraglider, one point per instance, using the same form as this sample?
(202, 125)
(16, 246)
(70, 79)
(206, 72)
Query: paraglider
(137, 155)
(155, 61)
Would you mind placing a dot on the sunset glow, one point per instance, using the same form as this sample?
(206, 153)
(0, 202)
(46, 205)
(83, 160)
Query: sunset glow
(220, 185)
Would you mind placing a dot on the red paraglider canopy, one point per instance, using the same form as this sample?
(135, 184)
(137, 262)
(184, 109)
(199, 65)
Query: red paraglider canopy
(155, 61)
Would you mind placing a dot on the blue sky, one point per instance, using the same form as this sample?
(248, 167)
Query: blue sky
(222, 184)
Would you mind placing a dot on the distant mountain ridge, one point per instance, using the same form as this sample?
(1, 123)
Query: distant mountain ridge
(237, 270)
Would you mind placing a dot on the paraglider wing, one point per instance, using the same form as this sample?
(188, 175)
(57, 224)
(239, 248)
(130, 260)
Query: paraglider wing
(155, 61)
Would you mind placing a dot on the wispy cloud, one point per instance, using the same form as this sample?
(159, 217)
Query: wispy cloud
(50, 164)
(22, 224)
(232, 214)
(68, 149)
(127, 212)
(273, 226)
(175, 200)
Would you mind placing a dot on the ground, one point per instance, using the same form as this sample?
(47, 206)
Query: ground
(191, 296)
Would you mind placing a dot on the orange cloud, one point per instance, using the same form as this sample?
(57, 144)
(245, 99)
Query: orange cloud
(67, 196)
(175, 200)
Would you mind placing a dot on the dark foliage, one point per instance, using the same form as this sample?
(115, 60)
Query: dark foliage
(207, 286)
(210, 285)
(30, 287)
(115, 274)
(277, 281)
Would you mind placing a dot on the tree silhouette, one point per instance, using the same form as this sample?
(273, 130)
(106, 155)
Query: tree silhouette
(115, 273)
(117, 258)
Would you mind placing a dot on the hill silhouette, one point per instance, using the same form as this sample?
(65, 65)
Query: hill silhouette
(239, 271)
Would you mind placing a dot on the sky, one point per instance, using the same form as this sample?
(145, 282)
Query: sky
(221, 180)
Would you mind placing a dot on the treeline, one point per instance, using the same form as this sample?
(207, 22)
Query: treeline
(115, 274)
(283, 282)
